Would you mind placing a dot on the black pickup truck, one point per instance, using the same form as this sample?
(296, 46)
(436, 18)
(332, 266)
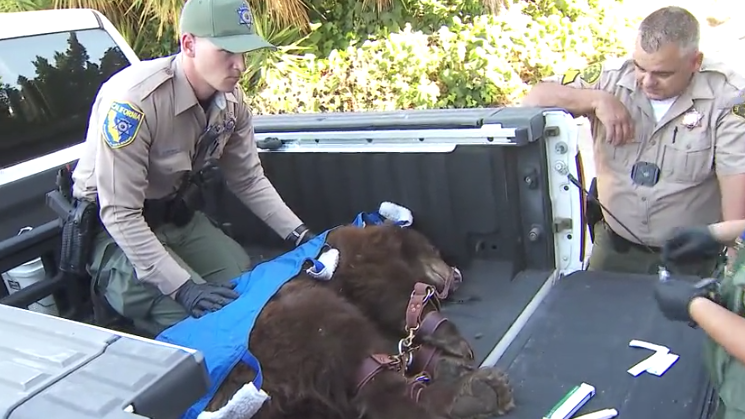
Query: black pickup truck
(490, 187)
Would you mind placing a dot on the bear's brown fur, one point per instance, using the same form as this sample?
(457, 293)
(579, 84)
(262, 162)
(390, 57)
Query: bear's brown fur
(313, 337)
(378, 269)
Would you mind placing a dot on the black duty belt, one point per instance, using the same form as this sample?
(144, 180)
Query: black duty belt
(622, 245)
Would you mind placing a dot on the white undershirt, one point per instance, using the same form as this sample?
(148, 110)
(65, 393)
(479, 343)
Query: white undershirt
(660, 107)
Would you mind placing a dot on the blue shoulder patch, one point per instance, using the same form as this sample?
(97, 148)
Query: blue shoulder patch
(122, 123)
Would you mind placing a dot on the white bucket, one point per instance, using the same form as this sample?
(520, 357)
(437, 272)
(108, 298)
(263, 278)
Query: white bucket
(27, 274)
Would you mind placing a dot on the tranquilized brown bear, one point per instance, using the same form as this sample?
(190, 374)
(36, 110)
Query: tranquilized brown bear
(398, 279)
(328, 349)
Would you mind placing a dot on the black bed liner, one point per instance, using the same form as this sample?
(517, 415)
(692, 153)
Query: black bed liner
(581, 334)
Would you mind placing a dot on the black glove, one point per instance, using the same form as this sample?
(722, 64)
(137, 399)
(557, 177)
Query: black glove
(691, 245)
(674, 297)
(200, 299)
(300, 235)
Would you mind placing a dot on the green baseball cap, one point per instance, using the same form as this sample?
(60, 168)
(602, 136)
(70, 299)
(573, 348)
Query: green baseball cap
(229, 24)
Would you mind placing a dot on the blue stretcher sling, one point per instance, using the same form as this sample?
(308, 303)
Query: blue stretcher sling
(223, 336)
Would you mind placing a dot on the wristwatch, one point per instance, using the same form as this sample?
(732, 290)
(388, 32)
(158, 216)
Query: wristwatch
(300, 235)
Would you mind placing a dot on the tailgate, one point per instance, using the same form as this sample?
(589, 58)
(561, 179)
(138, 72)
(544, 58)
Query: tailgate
(51, 367)
(581, 333)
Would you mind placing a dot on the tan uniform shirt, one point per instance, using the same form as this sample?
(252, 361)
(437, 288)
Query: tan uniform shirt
(697, 139)
(143, 134)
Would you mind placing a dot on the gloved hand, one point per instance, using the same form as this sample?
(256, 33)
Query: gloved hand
(200, 299)
(674, 297)
(690, 245)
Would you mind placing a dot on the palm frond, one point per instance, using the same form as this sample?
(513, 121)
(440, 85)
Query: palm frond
(284, 12)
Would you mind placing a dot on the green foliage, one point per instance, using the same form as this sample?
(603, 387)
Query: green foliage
(22, 5)
(346, 23)
(400, 54)
(445, 60)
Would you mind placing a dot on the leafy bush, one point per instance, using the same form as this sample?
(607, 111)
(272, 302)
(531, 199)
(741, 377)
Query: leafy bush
(344, 23)
(486, 60)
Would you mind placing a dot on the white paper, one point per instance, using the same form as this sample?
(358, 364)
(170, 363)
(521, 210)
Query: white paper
(646, 364)
(663, 364)
(601, 414)
(657, 363)
(651, 346)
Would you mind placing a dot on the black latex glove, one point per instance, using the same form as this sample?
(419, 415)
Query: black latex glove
(674, 297)
(691, 244)
(200, 299)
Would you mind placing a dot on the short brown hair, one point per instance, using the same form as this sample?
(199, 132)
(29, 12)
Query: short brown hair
(670, 24)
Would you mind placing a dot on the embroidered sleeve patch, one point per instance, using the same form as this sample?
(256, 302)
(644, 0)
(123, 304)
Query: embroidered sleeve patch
(591, 73)
(569, 77)
(122, 123)
(739, 110)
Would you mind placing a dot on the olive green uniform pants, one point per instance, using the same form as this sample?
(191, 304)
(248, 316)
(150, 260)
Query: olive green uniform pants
(606, 256)
(722, 412)
(199, 247)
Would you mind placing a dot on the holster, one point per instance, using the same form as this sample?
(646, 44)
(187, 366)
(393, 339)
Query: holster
(80, 223)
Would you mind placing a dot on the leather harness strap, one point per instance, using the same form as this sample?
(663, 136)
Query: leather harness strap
(373, 365)
(416, 385)
(431, 323)
(421, 357)
(452, 282)
(421, 296)
(376, 363)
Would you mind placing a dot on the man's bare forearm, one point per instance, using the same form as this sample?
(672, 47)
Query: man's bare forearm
(723, 326)
(733, 196)
(726, 232)
(733, 203)
(577, 101)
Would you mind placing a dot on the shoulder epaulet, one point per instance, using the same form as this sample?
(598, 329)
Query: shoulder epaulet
(158, 72)
(138, 81)
(615, 63)
(732, 76)
(734, 100)
(238, 94)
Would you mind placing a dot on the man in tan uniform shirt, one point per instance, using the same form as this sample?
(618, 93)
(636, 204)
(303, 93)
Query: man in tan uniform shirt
(150, 125)
(666, 144)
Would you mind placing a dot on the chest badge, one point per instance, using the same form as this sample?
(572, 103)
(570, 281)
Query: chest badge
(229, 123)
(692, 119)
